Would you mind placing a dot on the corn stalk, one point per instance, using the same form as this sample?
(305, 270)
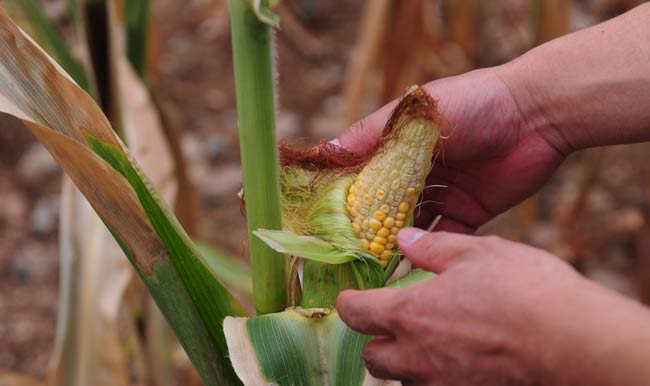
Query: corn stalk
(251, 42)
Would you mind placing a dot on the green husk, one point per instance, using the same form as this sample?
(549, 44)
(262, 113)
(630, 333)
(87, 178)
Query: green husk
(414, 276)
(309, 247)
(320, 231)
(318, 226)
(298, 347)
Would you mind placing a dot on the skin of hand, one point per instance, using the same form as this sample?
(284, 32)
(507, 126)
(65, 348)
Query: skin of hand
(502, 313)
(514, 124)
(499, 313)
(490, 159)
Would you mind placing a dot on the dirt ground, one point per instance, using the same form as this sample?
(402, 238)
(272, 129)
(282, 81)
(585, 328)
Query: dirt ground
(594, 212)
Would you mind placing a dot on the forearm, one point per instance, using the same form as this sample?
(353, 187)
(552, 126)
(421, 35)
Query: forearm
(590, 88)
(595, 338)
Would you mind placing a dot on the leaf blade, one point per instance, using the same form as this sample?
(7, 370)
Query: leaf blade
(308, 247)
(62, 117)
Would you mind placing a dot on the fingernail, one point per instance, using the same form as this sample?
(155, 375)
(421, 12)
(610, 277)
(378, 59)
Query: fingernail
(335, 142)
(408, 236)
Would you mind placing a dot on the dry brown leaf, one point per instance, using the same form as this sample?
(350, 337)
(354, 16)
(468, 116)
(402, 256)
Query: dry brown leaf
(89, 348)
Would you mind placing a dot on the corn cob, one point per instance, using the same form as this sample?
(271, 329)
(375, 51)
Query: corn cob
(384, 195)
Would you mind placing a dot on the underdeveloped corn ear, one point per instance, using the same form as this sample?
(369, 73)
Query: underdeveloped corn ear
(355, 205)
(383, 197)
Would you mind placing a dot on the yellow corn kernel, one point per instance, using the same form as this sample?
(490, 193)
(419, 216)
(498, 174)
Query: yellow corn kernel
(376, 248)
(380, 240)
(383, 232)
(357, 227)
(383, 263)
(385, 192)
(386, 255)
(374, 224)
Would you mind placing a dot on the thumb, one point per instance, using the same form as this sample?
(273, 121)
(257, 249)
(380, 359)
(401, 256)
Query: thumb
(434, 251)
(364, 134)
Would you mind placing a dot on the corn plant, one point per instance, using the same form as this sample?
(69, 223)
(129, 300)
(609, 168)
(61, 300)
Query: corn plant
(320, 219)
(95, 275)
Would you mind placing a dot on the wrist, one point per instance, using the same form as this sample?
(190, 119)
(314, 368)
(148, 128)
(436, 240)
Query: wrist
(538, 114)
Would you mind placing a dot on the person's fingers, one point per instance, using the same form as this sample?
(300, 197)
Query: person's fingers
(370, 312)
(386, 359)
(435, 251)
(364, 134)
(425, 216)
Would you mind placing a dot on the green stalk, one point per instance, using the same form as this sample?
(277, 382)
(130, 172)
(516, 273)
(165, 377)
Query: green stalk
(251, 41)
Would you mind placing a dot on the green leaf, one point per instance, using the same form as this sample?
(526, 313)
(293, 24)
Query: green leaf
(211, 298)
(231, 271)
(298, 347)
(138, 15)
(308, 247)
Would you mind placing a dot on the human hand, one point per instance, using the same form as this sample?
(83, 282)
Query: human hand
(491, 159)
(499, 313)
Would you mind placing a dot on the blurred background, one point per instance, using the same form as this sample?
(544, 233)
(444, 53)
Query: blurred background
(337, 61)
